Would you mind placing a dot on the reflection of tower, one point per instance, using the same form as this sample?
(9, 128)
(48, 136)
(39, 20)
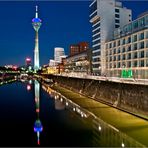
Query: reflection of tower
(36, 22)
(37, 125)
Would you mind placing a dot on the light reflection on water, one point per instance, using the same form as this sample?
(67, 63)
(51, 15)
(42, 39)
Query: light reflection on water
(104, 135)
(53, 119)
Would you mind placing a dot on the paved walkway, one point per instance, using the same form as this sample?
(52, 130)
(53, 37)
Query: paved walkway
(131, 125)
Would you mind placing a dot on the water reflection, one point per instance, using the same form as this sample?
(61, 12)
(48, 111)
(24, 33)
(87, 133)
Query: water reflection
(103, 134)
(38, 128)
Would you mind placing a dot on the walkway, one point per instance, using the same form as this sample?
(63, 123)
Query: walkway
(131, 125)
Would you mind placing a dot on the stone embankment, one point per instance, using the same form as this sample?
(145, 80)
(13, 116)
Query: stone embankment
(128, 97)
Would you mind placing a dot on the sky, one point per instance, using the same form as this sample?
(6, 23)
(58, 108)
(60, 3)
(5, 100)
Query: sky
(63, 23)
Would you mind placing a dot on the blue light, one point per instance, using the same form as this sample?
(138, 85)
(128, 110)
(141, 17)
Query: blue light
(36, 20)
(38, 126)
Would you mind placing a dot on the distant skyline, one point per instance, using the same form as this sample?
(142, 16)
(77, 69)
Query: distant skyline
(63, 23)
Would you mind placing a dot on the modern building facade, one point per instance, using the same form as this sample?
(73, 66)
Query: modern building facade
(79, 63)
(58, 52)
(128, 50)
(36, 22)
(105, 17)
(77, 48)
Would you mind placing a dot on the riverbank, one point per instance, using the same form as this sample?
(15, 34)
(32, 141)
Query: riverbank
(131, 125)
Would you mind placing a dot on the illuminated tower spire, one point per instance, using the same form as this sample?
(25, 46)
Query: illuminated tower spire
(36, 22)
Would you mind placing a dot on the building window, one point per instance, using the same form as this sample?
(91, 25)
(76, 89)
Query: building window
(141, 36)
(97, 31)
(117, 10)
(118, 42)
(141, 45)
(129, 64)
(123, 49)
(110, 45)
(118, 50)
(117, 15)
(96, 54)
(129, 40)
(135, 63)
(96, 37)
(135, 38)
(135, 47)
(114, 58)
(117, 26)
(123, 57)
(118, 65)
(115, 51)
(147, 53)
(129, 56)
(142, 63)
(135, 25)
(129, 48)
(96, 47)
(93, 7)
(123, 41)
(141, 54)
(135, 55)
(96, 42)
(96, 60)
(96, 26)
(115, 44)
(147, 35)
(146, 44)
(117, 21)
(118, 57)
(141, 22)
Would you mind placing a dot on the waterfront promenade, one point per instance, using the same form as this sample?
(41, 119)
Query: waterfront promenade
(131, 125)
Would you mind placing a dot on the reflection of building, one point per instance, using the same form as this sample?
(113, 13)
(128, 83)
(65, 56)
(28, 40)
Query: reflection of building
(77, 48)
(105, 16)
(36, 22)
(59, 105)
(37, 125)
(58, 52)
(80, 62)
(129, 49)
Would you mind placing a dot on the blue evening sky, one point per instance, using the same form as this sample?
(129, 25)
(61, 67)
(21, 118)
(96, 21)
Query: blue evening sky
(64, 23)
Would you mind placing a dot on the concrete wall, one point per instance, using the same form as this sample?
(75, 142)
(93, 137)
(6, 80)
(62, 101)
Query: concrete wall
(129, 97)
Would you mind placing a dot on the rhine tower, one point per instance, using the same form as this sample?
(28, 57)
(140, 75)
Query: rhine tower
(36, 22)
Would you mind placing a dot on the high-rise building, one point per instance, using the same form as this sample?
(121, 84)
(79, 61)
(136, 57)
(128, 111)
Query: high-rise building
(58, 52)
(77, 48)
(36, 22)
(74, 49)
(105, 17)
(83, 46)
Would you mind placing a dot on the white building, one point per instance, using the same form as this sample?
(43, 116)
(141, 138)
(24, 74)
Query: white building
(105, 16)
(127, 52)
(52, 63)
(58, 53)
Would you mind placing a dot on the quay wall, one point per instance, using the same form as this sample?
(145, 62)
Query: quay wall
(128, 97)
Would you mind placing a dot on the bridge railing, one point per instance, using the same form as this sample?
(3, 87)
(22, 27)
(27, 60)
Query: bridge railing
(105, 78)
